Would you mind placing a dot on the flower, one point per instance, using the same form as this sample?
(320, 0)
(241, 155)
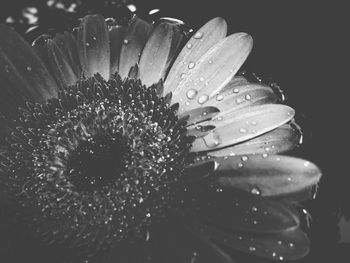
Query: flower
(113, 140)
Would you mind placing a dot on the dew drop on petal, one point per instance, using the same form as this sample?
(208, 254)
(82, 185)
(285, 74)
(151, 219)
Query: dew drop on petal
(219, 97)
(203, 99)
(244, 158)
(125, 42)
(191, 65)
(191, 94)
(254, 209)
(252, 249)
(198, 35)
(235, 90)
(240, 165)
(248, 97)
(189, 45)
(255, 191)
(242, 130)
(212, 139)
(265, 155)
(183, 75)
(201, 79)
(29, 68)
(210, 62)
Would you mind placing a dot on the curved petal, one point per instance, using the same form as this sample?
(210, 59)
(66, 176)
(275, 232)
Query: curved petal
(206, 37)
(212, 71)
(282, 139)
(287, 245)
(266, 175)
(158, 52)
(23, 71)
(235, 97)
(237, 126)
(116, 36)
(93, 46)
(199, 115)
(241, 211)
(133, 43)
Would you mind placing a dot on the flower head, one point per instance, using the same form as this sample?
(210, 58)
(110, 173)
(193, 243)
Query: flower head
(116, 137)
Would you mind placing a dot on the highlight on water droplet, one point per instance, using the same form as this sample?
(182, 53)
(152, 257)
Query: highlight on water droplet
(212, 139)
(219, 97)
(255, 191)
(189, 45)
(125, 42)
(191, 94)
(203, 99)
(191, 65)
(198, 35)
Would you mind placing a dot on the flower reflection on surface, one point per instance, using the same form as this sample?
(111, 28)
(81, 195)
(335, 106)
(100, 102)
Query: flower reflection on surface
(118, 139)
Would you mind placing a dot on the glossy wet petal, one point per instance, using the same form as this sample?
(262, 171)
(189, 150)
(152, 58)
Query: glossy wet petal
(280, 140)
(93, 46)
(133, 43)
(241, 211)
(206, 37)
(158, 52)
(238, 126)
(23, 71)
(116, 36)
(287, 245)
(266, 175)
(211, 72)
(235, 97)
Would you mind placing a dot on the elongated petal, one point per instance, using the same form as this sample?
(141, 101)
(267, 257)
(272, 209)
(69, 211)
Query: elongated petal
(116, 36)
(197, 172)
(210, 73)
(282, 139)
(238, 126)
(237, 97)
(93, 46)
(68, 46)
(243, 211)
(133, 43)
(23, 70)
(206, 37)
(60, 65)
(199, 115)
(288, 245)
(266, 175)
(158, 52)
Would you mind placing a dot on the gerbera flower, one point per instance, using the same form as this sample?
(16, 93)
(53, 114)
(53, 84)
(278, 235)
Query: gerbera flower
(113, 140)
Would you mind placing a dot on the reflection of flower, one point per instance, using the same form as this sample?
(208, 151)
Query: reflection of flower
(122, 142)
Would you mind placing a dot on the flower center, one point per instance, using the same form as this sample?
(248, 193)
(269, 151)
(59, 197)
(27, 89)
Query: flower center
(99, 163)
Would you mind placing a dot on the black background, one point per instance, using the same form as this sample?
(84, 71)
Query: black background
(302, 47)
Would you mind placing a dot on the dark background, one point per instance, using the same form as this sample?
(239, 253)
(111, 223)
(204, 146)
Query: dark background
(299, 45)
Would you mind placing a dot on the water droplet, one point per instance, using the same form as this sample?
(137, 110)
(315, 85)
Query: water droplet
(265, 155)
(279, 242)
(212, 139)
(220, 118)
(254, 209)
(240, 165)
(187, 103)
(239, 100)
(244, 158)
(255, 191)
(191, 94)
(203, 99)
(29, 68)
(148, 215)
(219, 97)
(210, 62)
(201, 79)
(191, 65)
(87, 44)
(274, 254)
(198, 35)
(306, 164)
(242, 130)
(183, 75)
(252, 249)
(291, 245)
(248, 97)
(235, 90)
(189, 45)
(281, 258)
(125, 42)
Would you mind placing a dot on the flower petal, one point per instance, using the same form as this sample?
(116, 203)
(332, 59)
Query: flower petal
(266, 175)
(68, 46)
(198, 172)
(241, 211)
(288, 245)
(158, 52)
(93, 46)
(116, 36)
(59, 65)
(282, 139)
(23, 70)
(206, 37)
(237, 126)
(199, 115)
(235, 97)
(211, 72)
(133, 43)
